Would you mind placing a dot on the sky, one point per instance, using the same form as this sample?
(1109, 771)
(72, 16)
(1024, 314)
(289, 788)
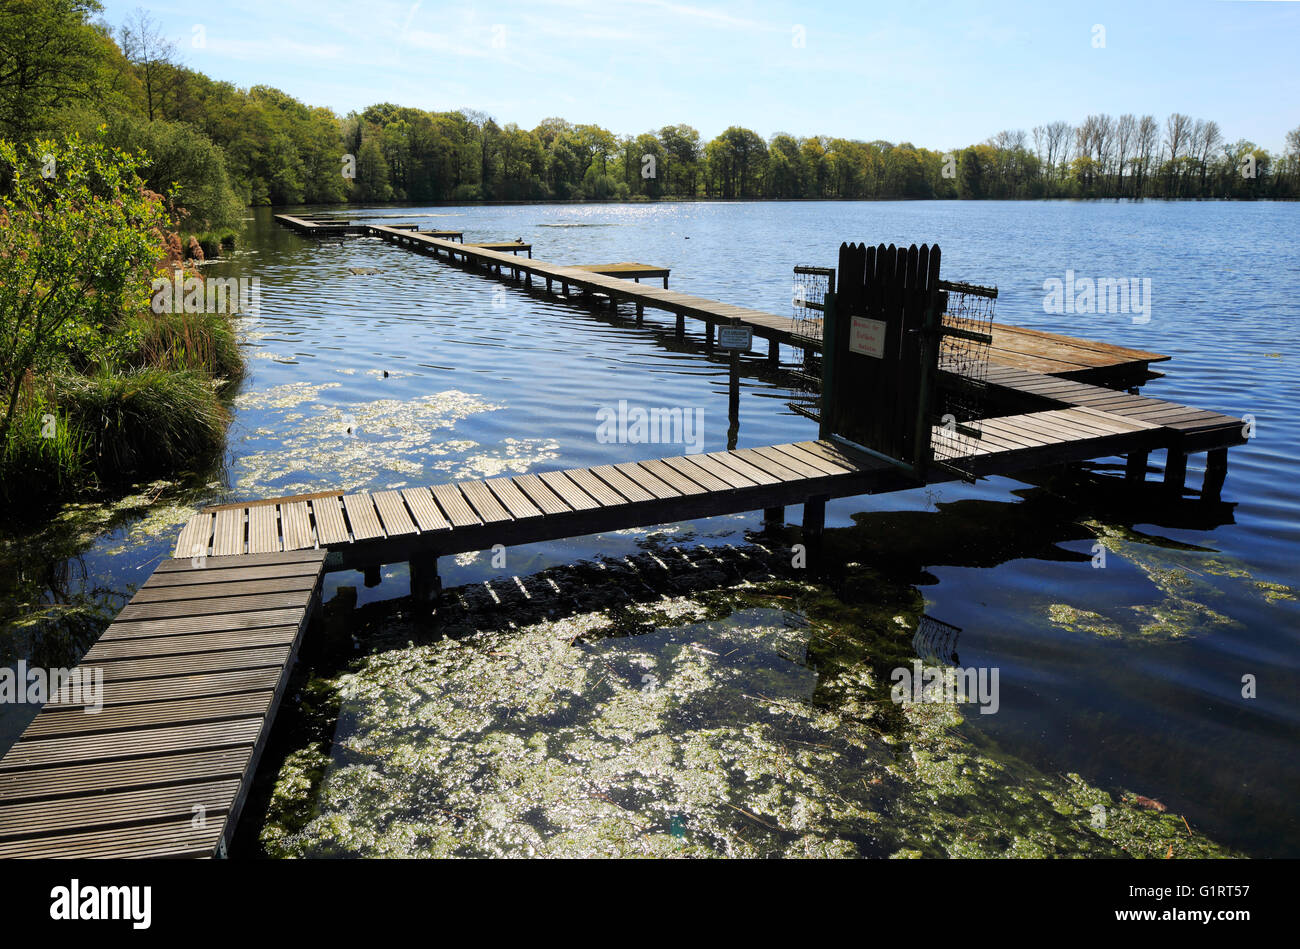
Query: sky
(940, 75)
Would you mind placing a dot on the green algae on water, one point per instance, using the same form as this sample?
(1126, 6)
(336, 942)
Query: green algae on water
(751, 719)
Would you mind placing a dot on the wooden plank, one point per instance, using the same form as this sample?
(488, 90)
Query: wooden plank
(161, 594)
(67, 780)
(134, 744)
(125, 807)
(815, 461)
(656, 487)
(425, 510)
(777, 470)
(593, 486)
(624, 485)
(541, 495)
(227, 604)
(195, 536)
(392, 511)
(295, 519)
(223, 574)
(228, 533)
(743, 468)
(263, 530)
(669, 475)
(212, 623)
(455, 506)
(188, 710)
(699, 474)
(190, 643)
(127, 692)
(362, 517)
(568, 491)
(157, 668)
(327, 512)
(284, 559)
(161, 839)
(728, 476)
(515, 500)
(485, 503)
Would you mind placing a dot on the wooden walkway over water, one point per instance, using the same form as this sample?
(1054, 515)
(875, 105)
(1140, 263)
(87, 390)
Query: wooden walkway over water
(196, 664)
(193, 671)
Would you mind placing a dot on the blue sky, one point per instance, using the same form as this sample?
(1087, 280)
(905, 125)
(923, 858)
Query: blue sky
(936, 74)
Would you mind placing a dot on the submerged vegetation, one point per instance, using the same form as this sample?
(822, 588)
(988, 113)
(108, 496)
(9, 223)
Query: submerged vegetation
(719, 708)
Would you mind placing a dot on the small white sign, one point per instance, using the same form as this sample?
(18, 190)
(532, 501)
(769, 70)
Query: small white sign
(735, 337)
(867, 337)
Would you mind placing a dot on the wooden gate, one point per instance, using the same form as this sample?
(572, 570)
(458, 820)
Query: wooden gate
(880, 350)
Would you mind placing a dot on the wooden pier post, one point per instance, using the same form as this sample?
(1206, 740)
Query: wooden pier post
(640, 313)
(1216, 470)
(708, 338)
(773, 518)
(814, 518)
(426, 585)
(773, 353)
(548, 285)
(1135, 466)
(733, 399)
(372, 575)
(681, 324)
(1175, 469)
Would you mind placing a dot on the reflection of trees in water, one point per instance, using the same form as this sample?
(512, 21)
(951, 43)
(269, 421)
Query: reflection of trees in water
(50, 611)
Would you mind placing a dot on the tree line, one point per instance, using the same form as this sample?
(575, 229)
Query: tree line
(61, 69)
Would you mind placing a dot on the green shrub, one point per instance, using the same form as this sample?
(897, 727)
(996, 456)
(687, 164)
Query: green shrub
(145, 422)
(43, 451)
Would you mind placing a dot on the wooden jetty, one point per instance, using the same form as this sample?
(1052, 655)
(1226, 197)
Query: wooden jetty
(1033, 350)
(195, 666)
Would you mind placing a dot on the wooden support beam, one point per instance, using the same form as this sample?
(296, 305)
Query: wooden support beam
(773, 517)
(426, 585)
(373, 576)
(1216, 470)
(1135, 466)
(814, 517)
(1175, 469)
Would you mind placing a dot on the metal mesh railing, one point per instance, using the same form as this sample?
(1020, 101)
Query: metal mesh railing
(963, 373)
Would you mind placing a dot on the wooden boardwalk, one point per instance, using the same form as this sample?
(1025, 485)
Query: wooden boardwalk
(193, 670)
(364, 529)
(1032, 350)
(196, 664)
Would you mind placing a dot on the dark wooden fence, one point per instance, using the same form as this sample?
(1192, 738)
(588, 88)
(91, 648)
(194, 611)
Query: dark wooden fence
(881, 348)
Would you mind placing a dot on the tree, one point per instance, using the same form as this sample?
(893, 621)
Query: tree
(48, 59)
(77, 252)
(153, 55)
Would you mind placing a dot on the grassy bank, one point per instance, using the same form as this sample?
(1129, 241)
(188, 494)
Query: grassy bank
(158, 412)
(103, 384)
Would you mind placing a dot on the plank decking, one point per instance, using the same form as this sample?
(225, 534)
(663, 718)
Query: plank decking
(193, 670)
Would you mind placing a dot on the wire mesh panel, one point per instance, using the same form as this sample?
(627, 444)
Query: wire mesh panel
(808, 296)
(811, 284)
(936, 641)
(963, 373)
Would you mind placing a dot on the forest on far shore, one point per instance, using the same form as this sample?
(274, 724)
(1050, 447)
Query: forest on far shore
(215, 148)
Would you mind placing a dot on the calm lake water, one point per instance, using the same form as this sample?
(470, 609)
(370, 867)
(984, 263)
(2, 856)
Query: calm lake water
(1130, 677)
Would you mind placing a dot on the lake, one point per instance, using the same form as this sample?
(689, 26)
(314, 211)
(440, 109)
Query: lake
(374, 367)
